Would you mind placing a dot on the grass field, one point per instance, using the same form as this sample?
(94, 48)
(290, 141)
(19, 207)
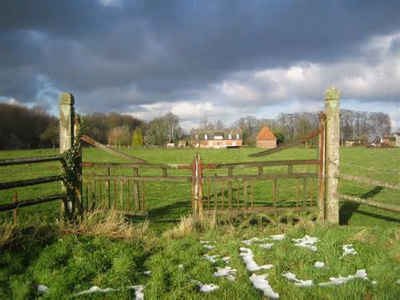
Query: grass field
(69, 261)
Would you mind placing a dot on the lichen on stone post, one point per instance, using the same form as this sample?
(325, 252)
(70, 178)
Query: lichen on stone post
(332, 111)
(67, 120)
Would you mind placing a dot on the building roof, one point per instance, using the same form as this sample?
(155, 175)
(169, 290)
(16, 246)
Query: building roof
(265, 134)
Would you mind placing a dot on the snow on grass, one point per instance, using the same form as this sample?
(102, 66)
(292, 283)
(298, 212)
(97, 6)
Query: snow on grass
(297, 281)
(266, 245)
(248, 258)
(211, 258)
(42, 289)
(277, 237)
(96, 289)
(208, 247)
(362, 274)
(251, 241)
(319, 264)
(349, 250)
(206, 288)
(306, 242)
(227, 272)
(139, 295)
(260, 282)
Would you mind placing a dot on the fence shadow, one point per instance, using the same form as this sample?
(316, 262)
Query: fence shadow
(348, 208)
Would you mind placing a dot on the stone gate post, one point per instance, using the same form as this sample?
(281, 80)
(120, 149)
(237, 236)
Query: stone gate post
(332, 111)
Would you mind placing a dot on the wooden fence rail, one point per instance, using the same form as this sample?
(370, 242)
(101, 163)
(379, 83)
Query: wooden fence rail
(28, 182)
(34, 201)
(389, 207)
(369, 181)
(29, 160)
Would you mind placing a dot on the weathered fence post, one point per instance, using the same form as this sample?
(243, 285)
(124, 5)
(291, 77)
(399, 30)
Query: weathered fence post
(321, 168)
(78, 164)
(332, 109)
(197, 187)
(67, 120)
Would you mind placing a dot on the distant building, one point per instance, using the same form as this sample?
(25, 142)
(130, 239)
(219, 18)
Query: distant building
(389, 141)
(266, 139)
(397, 138)
(217, 139)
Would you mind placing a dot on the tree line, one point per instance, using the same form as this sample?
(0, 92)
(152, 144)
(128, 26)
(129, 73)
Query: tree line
(28, 128)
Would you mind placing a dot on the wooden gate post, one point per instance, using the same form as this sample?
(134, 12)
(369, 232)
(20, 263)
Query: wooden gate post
(321, 168)
(197, 187)
(332, 110)
(78, 164)
(67, 120)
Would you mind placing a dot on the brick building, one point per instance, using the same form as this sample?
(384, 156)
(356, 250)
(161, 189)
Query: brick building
(266, 139)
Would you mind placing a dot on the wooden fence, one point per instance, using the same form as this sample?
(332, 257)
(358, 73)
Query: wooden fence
(217, 192)
(115, 188)
(29, 182)
(363, 180)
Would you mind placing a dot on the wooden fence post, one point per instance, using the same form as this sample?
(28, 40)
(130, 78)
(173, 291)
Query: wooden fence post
(332, 109)
(78, 164)
(197, 187)
(321, 168)
(67, 120)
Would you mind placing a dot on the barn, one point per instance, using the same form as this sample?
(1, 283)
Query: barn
(266, 139)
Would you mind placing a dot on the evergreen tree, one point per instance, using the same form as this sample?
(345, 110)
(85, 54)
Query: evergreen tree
(137, 137)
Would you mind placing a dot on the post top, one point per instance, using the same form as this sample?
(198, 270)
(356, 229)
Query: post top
(67, 98)
(332, 94)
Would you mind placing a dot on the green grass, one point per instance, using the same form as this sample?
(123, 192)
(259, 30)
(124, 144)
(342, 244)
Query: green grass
(68, 263)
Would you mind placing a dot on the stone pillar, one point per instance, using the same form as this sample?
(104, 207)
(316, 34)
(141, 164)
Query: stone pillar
(67, 120)
(67, 115)
(332, 110)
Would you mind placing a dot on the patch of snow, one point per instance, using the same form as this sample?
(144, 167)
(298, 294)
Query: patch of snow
(206, 288)
(147, 272)
(348, 250)
(227, 272)
(260, 282)
(250, 241)
(211, 258)
(362, 274)
(297, 281)
(209, 247)
(42, 289)
(319, 264)
(248, 258)
(139, 295)
(226, 259)
(277, 237)
(96, 289)
(266, 245)
(306, 242)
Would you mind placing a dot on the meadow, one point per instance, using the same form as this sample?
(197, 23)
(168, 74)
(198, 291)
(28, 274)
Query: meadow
(111, 251)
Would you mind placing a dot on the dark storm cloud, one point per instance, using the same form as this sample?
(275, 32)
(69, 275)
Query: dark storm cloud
(166, 50)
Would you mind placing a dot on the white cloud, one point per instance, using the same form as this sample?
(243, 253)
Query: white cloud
(364, 85)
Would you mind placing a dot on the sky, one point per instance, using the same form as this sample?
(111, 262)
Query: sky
(217, 59)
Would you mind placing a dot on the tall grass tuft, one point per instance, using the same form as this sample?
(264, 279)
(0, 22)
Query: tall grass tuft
(110, 224)
(6, 233)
